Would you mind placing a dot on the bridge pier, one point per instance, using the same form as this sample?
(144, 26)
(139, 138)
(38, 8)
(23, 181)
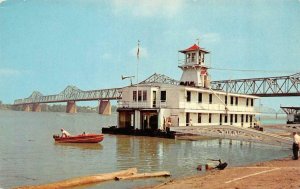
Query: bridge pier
(26, 108)
(36, 107)
(104, 107)
(71, 107)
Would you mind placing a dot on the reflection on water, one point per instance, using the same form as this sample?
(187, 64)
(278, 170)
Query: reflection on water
(81, 146)
(29, 156)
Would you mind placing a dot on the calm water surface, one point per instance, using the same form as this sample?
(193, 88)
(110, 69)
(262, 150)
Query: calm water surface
(29, 156)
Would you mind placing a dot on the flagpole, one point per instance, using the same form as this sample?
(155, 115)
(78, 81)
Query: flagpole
(137, 74)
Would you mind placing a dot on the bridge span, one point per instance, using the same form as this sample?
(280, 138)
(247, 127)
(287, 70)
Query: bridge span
(236, 133)
(71, 94)
(263, 87)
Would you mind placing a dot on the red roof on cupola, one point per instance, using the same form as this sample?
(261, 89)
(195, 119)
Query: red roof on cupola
(193, 48)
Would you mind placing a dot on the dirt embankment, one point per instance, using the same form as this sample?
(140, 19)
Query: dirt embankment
(276, 174)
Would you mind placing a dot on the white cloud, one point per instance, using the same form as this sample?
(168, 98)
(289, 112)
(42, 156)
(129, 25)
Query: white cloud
(9, 72)
(148, 8)
(1, 1)
(143, 53)
(210, 37)
(106, 56)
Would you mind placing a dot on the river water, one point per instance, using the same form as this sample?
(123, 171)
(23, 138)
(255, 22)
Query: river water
(29, 156)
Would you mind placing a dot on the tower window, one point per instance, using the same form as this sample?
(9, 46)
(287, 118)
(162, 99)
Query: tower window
(235, 118)
(193, 57)
(236, 101)
(226, 117)
(226, 99)
(199, 58)
(247, 101)
(209, 118)
(251, 101)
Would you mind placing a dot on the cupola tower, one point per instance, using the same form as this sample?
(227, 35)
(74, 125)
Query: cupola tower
(194, 67)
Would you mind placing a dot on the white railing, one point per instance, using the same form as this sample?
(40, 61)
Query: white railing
(141, 104)
(185, 105)
(216, 107)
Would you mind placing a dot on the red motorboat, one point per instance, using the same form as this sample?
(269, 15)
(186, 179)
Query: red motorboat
(83, 138)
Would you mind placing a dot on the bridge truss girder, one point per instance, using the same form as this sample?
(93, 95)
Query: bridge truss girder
(264, 87)
(72, 93)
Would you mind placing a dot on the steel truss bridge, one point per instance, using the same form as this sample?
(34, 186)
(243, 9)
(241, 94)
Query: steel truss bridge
(72, 93)
(263, 87)
(236, 133)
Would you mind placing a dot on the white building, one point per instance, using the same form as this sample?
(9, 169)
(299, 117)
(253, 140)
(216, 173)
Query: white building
(192, 103)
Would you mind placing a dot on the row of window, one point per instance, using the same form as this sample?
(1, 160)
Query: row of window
(139, 95)
(192, 57)
(210, 99)
(233, 118)
(142, 95)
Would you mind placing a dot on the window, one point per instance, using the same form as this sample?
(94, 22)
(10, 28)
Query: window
(242, 118)
(226, 99)
(235, 118)
(247, 101)
(199, 118)
(226, 118)
(236, 100)
(209, 118)
(188, 96)
(210, 98)
(246, 118)
(251, 101)
(193, 57)
(199, 97)
(134, 95)
(163, 96)
(144, 95)
(199, 58)
(231, 119)
(140, 95)
(231, 100)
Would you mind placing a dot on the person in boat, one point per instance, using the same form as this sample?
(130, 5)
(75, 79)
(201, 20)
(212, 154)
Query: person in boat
(296, 143)
(64, 133)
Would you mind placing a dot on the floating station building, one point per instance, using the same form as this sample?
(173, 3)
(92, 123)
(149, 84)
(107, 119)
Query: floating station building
(191, 102)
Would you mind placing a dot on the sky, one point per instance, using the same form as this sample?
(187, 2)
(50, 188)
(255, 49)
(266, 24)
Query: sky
(46, 45)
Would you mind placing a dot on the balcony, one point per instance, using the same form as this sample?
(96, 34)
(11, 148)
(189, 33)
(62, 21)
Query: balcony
(214, 107)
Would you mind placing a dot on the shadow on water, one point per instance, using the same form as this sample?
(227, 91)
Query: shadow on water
(80, 146)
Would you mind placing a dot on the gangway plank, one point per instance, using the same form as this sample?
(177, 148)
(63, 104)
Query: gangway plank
(235, 133)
